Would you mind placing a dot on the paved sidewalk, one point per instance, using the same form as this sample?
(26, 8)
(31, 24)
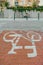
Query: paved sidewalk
(21, 24)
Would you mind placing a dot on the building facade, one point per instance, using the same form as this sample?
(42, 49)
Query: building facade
(20, 2)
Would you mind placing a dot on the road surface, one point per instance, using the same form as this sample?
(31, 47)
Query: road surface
(21, 42)
(19, 47)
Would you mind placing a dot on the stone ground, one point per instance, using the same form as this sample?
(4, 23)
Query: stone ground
(21, 24)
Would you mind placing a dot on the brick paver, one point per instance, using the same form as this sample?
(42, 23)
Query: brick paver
(21, 55)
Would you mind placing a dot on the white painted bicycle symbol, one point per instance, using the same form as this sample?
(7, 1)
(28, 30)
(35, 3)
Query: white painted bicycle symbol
(17, 37)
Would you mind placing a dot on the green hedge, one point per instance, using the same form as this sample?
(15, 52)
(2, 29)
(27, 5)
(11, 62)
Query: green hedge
(20, 8)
